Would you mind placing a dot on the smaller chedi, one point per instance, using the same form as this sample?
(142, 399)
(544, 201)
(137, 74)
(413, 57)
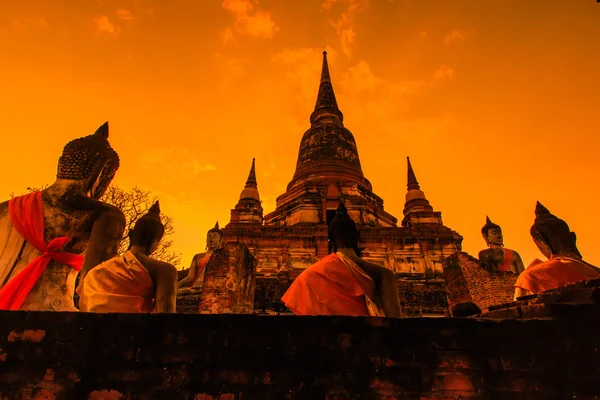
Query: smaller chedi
(565, 265)
(195, 277)
(44, 235)
(133, 282)
(497, 257)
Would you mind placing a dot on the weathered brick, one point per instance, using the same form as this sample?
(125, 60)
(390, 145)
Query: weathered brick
(467, 281)
(252, 357)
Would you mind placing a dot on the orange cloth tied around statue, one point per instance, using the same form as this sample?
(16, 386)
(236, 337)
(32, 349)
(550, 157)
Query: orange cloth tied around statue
(335, 285)
(558, 271)
(121, 284)
(201, 266)
(508, 256)
(27, 216)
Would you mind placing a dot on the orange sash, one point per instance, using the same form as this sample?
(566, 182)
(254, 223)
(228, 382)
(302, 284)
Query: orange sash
(508, 256)
(201, 266)
(331, 287)
(27, 216)
(556, 272)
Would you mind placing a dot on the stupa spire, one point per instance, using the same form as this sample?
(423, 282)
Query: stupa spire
(412, 182)
(251, 181)
(415, 198)
(326, 103)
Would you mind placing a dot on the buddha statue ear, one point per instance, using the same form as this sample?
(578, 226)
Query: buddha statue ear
(102, 175)
(484, 235)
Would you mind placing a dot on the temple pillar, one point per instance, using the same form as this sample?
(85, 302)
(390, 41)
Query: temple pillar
(229, 282)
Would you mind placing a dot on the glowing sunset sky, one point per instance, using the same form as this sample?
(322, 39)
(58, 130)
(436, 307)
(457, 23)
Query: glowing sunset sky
(496, 102)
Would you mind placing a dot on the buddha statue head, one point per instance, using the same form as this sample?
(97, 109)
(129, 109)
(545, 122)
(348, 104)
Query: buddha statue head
(492, 234)
(552, 235)
(343, 232)
(148, 230)
(214, 237)
(89, 161)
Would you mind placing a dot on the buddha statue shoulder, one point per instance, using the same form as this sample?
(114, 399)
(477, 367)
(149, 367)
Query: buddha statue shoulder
(44, 235)
(497, 257)
(133, 282)
(195, 277)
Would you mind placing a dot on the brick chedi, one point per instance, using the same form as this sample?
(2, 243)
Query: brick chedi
(294, 236)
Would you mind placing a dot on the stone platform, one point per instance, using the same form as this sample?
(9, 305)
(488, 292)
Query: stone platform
(229, 357)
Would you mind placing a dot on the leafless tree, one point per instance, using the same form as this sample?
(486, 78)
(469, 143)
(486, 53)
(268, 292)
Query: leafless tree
(134, 203)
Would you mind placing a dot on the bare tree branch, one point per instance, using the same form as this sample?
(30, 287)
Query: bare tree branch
(134, 204)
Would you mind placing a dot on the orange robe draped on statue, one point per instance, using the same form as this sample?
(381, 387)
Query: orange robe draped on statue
(508, 256)
(335, 285)
(558, 271)
(27, 217)
(121, 284)
(201, 266)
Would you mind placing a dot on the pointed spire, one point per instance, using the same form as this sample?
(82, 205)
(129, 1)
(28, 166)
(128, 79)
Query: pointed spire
(155, 209)
(325, 71)
(251, 181)
(415, 198)
(412, 178)
(543, 215)
(326, 102)
(487, 220)
(103, 130)
(540, 209)
(216, 229)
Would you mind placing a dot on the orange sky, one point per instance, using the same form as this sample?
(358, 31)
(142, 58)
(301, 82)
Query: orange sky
(496, 101)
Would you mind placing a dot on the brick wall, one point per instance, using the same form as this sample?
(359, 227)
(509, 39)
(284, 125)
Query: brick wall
(575, 300)
(46, 355)
(468, 281)
(229, 281)
(422, 297)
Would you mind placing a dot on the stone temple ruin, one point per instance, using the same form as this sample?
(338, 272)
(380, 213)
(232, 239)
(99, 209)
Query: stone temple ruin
(224, 343)
(294, 236)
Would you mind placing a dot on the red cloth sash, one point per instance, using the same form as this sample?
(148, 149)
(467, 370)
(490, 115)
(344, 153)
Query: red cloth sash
(558, 271)
(27, 216)
(508, 256)
(329, 287)
(201, 266)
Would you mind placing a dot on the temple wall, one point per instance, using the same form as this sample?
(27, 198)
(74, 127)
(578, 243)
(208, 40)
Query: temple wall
(65, 356)
(468, 281)
(283, 253)
(229, 282)
(577, 300)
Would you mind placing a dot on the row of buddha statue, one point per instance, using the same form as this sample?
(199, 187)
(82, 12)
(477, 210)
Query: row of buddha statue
(555, 241)
(60, 244)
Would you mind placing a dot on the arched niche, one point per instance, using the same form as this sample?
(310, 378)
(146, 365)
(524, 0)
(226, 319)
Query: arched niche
(332, 201)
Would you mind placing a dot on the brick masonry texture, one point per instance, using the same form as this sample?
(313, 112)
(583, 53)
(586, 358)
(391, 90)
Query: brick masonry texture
(46, 355)
(575, 300)
(468, 281)
(229, 284)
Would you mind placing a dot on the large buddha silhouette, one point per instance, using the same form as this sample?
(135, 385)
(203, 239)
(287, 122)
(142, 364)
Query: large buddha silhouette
(565, 264)
(342, 283)
(44, 235)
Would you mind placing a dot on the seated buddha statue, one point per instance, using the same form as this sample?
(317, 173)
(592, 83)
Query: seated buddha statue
(195, 277)
(133, 282)
(565, 264)
(497, 257)
(45, 234)
(343, 283)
